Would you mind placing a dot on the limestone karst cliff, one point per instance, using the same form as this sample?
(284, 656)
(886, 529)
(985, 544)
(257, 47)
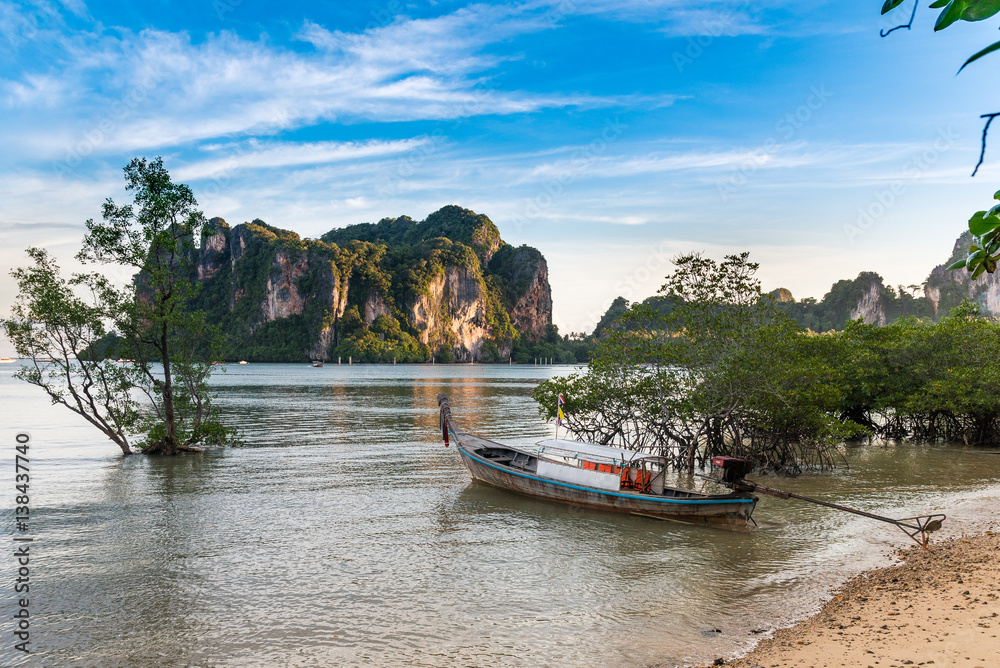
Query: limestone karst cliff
(447, 287)
(946, 289)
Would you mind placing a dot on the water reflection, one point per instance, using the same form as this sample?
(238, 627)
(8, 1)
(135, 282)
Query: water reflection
(346, 534)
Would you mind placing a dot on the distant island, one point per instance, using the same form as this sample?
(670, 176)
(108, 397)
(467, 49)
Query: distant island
(869, 298)
(447, 288)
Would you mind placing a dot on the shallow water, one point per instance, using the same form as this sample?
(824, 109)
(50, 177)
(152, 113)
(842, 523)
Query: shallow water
(346, 534)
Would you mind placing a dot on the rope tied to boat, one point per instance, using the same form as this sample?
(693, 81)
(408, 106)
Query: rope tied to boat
(444, 417)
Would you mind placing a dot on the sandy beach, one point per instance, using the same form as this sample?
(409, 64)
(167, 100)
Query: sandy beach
(937, 608)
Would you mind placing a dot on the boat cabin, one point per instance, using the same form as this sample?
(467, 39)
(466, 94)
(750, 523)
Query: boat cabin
(586, 464)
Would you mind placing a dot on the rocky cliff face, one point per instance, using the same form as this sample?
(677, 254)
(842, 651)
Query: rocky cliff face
(946, 289)
(214, 247)
(452, 314)
(525, 278)
(871, 305)
(282, 296)
(398, 289)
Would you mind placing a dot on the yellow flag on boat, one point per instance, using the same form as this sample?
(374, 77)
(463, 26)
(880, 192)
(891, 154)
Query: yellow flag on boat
(559, 413)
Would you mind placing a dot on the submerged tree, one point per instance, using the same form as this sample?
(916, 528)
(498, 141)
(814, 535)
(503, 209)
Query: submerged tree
(151, 317)
(723, 372)
(58, 331)
(727, 372)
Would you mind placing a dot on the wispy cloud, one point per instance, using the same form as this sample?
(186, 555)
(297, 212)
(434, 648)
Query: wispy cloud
(256, 154)
(160, 89)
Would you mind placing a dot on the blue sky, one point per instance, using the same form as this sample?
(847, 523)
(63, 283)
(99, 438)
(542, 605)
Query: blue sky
(611, 135)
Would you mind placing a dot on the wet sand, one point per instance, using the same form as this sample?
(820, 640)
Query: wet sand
(937, 608)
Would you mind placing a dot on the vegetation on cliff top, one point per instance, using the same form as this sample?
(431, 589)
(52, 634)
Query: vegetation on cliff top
(356, 288)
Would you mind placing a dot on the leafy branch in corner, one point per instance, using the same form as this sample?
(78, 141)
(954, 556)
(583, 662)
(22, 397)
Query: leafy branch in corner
(953, 11)
(984, 253)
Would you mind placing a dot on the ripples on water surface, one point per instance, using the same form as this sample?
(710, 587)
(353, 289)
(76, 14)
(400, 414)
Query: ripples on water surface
(345, 534)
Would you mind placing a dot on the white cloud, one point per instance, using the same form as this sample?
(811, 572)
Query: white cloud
(159, 89)
(256, 154)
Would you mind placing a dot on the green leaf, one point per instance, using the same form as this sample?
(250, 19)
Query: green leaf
(976, 56)
(979, 10)
(978, 272)
(991, 264)
(958, 265)
(994, 211)
(951, 13)
(974, 261)
(890, 5)
(938, 4)
(981, 223)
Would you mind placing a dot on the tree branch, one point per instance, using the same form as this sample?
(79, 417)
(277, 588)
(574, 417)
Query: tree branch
(886, 33)
(986, 128)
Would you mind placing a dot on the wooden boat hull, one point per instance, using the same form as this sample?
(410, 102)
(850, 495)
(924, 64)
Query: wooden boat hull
(730, 511)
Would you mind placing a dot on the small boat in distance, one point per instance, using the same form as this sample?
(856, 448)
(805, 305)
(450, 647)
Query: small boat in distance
(244, 362)
(593, 476)
(6, 360)
(317, 363)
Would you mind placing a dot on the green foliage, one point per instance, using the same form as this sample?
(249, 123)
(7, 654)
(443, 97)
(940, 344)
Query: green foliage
(617, 309)
(154, 235)
(727, 371)
(984, 252)
(836, 308)
(829, 314)
(724, 371)
(50, 322)
(390, 266)
(924, 382)
(452, 222)
(953, 11)
(513, 269)
(382, 341)
(569, 349)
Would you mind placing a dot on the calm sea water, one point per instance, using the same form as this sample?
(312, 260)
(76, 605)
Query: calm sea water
(346, 534)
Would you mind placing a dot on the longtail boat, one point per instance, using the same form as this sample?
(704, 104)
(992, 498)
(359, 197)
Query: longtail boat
(593, 476)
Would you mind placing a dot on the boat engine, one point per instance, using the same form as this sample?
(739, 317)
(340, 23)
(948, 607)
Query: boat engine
(734, 469)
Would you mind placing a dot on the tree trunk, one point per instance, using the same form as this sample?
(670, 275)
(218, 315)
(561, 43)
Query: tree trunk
(169, 443)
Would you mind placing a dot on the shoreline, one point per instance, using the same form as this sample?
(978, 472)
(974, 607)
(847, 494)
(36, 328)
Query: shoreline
(939, 608)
